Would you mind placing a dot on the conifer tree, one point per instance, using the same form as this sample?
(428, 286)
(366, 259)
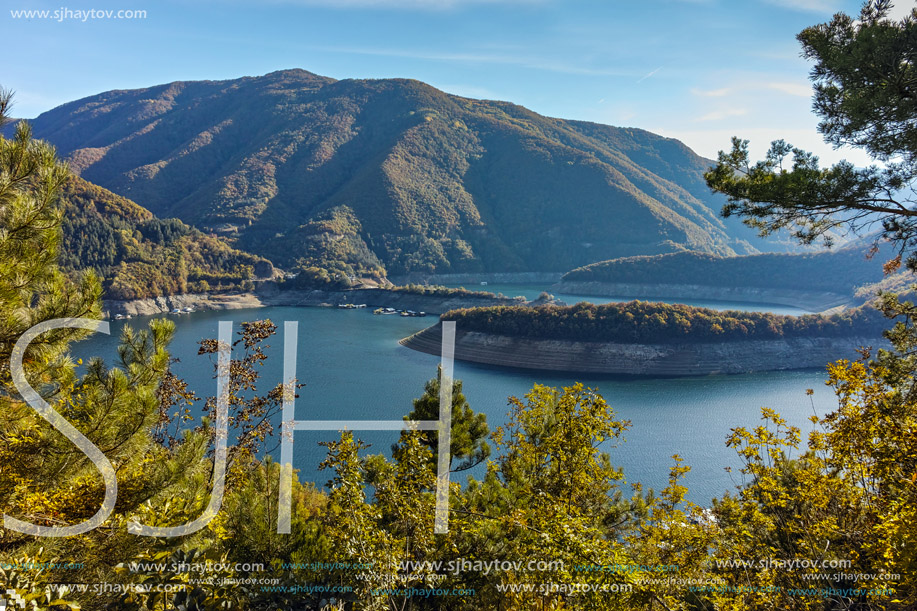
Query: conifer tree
(865, 79)
(45, 479)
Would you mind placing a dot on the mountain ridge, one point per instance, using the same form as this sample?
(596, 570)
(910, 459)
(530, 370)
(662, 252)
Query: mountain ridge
(392, 175)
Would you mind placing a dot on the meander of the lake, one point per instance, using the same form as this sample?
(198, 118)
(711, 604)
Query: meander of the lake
(353, 368)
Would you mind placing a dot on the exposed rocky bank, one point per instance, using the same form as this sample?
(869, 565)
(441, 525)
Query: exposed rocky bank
(268, 294)
(197, 301)
(384, 298)
(642, 359)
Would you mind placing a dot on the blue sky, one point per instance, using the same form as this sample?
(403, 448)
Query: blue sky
(697, 70)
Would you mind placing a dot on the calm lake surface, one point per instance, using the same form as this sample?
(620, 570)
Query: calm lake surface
(354, 368)
(532, 291)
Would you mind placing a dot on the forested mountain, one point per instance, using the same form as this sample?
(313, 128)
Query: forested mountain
(137, 255)
(849, 271)
(641, 322)
(392, 174)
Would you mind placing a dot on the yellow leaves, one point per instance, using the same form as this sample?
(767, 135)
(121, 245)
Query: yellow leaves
(851, 493)
(219, 527)
(891, 266)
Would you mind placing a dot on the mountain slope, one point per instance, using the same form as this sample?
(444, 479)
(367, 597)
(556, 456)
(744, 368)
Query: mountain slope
(854, 271)
(392, 174)
(137, 255)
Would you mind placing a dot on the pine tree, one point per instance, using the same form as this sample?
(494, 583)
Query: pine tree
(865, 79)
(32, 288)
(45, 480)
(469, 428)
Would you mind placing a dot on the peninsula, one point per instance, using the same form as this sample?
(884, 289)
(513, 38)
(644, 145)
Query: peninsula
(641, 338)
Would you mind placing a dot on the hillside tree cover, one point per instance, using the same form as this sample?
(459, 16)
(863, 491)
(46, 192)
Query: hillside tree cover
(841, 271)
(392, 176)
(640, 322)
(137, 255)
(568, 529)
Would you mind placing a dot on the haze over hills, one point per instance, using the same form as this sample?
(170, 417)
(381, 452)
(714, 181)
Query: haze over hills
(393, 175)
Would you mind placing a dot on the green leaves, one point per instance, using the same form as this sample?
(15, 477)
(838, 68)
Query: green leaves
(865, 75)
(469, 447)
(138, 256)
(864, 79)
(788, 190)
(646, 322)
(27, 578)
(32, 289)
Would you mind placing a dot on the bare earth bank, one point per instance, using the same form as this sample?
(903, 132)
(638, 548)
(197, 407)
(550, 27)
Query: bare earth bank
(643, 359)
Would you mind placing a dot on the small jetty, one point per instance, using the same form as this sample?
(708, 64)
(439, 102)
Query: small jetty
(412, 313)
(393, 311)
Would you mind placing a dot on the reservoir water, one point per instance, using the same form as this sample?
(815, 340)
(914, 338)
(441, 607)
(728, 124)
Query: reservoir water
(532, 291)
(354, 368)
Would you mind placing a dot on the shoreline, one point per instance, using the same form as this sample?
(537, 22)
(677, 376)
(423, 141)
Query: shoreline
(814, 301)
(663, 360)
(164, 305)
(270, 295)
(477, 278)
(675, 359)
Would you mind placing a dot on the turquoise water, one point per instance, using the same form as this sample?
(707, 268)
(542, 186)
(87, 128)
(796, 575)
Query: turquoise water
(354, 368)
(532, 291)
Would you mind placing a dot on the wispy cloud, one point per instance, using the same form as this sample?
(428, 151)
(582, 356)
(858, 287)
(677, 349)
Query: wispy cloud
(811, 6)
(802, 90)
(533, 62)
(649, 74)
(711, 93)
(725, 113)
(797, 89)
(707, 141)
(900, 9)
(429, 5)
